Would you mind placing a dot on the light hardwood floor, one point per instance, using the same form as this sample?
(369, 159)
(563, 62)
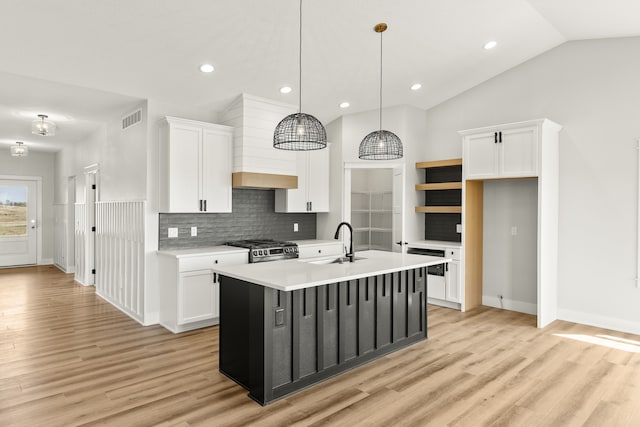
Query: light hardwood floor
(69, 358)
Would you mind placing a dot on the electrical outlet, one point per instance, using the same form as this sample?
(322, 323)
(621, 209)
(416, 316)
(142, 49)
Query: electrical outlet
(458, 228)
(295, 227)
(514, 230)
(172, 232)
(194, 231)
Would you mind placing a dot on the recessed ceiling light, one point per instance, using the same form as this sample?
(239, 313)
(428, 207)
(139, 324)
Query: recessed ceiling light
(206, 68)
(344, 104)
(285, 89)
(416, 86)
(490, 45)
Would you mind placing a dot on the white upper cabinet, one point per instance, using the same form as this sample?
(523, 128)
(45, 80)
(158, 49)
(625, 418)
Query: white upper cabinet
(505, 151)
(195, 166)
(312, 194)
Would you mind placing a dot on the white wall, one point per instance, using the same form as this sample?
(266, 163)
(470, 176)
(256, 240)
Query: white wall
(409, 124)
(591, 88)
(510, 261)
(37, 163)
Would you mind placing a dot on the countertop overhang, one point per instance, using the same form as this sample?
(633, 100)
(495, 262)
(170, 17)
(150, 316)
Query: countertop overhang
(294, 274)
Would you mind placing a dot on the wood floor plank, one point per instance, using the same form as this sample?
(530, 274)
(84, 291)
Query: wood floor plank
(68, 358)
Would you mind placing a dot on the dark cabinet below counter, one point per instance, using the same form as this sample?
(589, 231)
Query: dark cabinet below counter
(274, 343)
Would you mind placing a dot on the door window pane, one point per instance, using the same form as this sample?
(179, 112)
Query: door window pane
(13, 210)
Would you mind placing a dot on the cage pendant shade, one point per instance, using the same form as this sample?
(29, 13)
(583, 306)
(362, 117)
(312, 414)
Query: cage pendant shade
(300, 131)
(380, 144)
(19, 150)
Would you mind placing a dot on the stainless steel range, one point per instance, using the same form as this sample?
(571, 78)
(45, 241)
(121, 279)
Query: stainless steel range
(261, 250)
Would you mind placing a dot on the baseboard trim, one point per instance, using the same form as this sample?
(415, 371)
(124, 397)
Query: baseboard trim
(598, 321)
(122, 309)
(70, 270)
(46, 261)
(509, 304)
(176, 329)
(443, 303)
(80, 282)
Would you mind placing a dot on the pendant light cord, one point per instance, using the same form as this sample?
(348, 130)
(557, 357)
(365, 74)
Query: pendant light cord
(380, 80)
(300, 59)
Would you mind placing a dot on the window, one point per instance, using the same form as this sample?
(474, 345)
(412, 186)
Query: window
(13, 210)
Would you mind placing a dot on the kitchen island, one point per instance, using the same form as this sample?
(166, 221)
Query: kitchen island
(290, 324)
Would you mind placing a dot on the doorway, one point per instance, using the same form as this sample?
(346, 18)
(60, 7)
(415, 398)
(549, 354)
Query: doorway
(19, 214)
(374, 199)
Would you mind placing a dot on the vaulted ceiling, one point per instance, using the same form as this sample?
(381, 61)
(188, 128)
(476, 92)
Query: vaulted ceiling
(83, 62)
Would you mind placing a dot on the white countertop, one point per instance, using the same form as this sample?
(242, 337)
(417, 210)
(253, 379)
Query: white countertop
(211, 250)
(428, 244)
(295, 274)
(317, 242)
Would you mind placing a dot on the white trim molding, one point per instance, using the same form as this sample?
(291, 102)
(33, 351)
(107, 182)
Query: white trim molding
(599, 321)
(510, 304)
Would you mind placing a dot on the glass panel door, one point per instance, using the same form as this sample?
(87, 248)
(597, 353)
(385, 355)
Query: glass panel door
(18, 226)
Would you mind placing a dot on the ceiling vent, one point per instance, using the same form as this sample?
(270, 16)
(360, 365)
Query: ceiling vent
(132, 119)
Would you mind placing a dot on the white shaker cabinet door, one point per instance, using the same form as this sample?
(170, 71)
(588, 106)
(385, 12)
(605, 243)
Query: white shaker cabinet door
(216, 160)
(318, 180)
(453, 282)
(184, 169)
(481, 156)
(519, 149)
(196, 296)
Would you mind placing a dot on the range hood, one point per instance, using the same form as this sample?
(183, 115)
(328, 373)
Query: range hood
(256, 164)
(263, 180)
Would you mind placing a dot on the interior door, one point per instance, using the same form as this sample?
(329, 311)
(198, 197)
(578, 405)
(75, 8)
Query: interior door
(18, 222)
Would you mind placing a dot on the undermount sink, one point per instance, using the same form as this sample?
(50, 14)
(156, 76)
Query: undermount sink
(332, 260)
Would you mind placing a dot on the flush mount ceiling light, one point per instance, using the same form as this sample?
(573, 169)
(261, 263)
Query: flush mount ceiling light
(42, 126)
(285, 89)
(206, 68)
(300, 131)
(19, 150)
(490, 45)
(344, 104)
(416, 86)
(380, 144)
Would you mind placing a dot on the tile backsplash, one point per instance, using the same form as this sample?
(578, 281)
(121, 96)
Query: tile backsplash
(253, 217)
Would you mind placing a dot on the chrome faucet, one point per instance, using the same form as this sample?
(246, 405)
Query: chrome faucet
(350, 254)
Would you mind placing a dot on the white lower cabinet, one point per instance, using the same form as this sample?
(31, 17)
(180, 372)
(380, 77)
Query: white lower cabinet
(189, 289)
(444, 282)
(198, 296)
(453, 282)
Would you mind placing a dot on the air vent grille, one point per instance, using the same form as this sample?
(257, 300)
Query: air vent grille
(132, 119)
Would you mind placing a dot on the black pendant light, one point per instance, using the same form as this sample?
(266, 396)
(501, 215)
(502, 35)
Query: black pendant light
(380, 144)
(300, 131)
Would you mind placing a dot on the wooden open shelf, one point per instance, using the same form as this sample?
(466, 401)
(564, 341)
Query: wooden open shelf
(438, 163)
(439, 209)
(439, 186)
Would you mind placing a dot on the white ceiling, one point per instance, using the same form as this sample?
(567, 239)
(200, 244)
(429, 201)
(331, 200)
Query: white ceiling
(88, 61)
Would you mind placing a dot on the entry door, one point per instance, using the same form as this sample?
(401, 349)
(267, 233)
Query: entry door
(18, 214)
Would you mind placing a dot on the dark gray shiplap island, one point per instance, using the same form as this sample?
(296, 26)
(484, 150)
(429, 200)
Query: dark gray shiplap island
(290, 324)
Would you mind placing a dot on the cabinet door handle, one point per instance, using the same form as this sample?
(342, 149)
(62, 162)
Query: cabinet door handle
(205, 205)
(499, 139)
(200, 205)
(310, 206)
(495, 137)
